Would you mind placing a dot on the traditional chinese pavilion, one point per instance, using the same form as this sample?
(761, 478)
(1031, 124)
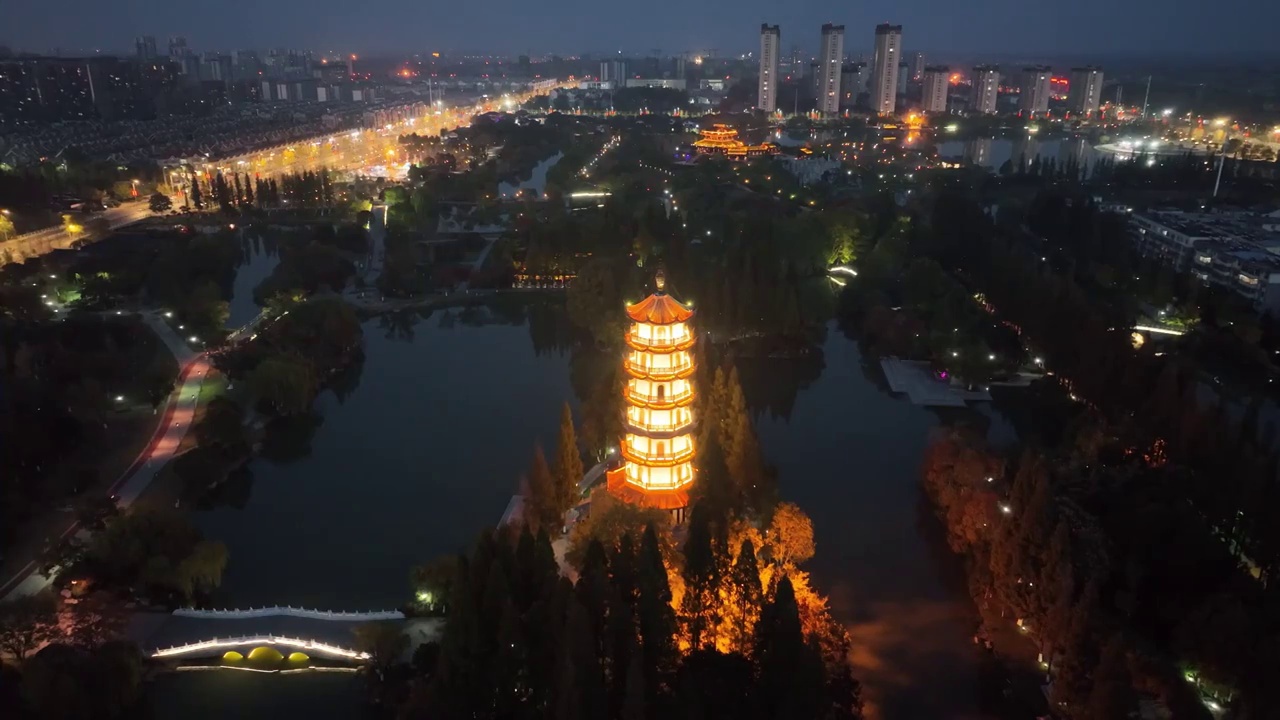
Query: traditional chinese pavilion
(657, 447)
(723, 140)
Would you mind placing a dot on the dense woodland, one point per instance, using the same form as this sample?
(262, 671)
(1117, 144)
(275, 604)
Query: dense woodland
(1134, 535)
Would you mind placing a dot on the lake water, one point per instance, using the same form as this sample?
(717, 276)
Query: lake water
(423, 449)
(537, 179)
(260, 259)
(994, 152)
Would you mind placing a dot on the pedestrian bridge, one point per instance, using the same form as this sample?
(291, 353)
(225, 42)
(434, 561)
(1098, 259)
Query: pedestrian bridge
(189, 633)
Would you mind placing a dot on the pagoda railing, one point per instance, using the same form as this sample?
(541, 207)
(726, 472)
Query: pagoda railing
(660, 400)
(658, 373)
(642, 428)
(653, 342)
(665, 460)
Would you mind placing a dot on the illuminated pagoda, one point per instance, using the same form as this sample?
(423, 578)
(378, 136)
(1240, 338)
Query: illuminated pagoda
(657, 446)
(723, 140)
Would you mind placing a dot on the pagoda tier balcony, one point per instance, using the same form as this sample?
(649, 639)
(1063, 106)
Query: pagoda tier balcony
(636, 368)
(669, 459)
(658, 431)
(659, 345)
(657, 402)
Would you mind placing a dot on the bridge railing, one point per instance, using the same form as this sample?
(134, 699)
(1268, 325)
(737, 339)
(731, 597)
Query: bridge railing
(216, 644)
(288, 611)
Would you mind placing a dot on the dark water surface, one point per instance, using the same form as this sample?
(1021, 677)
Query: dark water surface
(424, 449)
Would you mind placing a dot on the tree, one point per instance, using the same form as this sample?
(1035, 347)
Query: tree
(433, 582)
(742, 610)
(26, 623)
(1112, 695)
(790, 671)
(384, 641)
(160, 202)
(700, 605)
(656, 619)
(542, 502)
(6, 227)
(609, 521)
(790, 536)
(595, 302)
(201, 570)
(568, 467)
(285, 384)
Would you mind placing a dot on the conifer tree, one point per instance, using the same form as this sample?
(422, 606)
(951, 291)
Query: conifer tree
(656, 619)
(568, 468)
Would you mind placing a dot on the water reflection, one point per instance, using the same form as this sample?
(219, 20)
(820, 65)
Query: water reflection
(992, 153)
(422, 447)
(260, 255)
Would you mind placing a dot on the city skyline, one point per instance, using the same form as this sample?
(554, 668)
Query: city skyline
(1139, 28)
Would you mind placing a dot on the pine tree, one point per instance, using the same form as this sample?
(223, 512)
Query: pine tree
(197, 199)
(235, 177)
(657, 621)
(743, 610)
(459, 673)
(222, 193)
(543, 504)
(700, 605)
(593, 590)
(568, 469)
(790, 672)
(248, 190)
(1111, 695)
(580, 689)
(633, 703)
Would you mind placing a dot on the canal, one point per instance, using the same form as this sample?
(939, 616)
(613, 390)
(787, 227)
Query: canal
(423, 447)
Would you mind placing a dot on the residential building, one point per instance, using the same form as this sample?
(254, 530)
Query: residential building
(615, 71)
(830, 58)
(146, 47)
(770, 39)
(669, 83)
(1085, 92)
(904, 74)
(1037, 83)
(853, 82)
(917, 66)
(937, 81)
(884, 73)
(178, 46)
(985, 89)
(1233, 251)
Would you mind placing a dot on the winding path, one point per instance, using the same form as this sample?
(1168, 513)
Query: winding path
(179, 412)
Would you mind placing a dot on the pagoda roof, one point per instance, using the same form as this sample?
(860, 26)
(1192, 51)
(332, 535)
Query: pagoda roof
(659, 309)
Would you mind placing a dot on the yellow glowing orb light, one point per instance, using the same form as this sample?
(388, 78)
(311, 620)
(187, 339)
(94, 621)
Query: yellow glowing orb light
(1138, 339)
(264, 654)
(299, 658)
(232, 656)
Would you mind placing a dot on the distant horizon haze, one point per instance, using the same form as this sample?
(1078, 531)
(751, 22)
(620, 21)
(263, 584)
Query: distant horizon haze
(1125, 29)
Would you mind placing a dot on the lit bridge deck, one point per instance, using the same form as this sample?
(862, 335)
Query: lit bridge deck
(203, 634)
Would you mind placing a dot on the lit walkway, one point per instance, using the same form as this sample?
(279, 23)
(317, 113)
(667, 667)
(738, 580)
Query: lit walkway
(179, 412)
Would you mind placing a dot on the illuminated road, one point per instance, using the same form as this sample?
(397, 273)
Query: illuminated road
(369, 151)
(35, 244)
(179, 412)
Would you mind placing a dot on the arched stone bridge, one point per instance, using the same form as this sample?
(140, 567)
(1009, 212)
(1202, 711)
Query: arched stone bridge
(189, 633)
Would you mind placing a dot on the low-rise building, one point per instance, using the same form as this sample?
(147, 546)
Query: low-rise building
(1232, 251)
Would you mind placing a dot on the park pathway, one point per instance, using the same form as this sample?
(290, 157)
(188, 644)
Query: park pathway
(179, 412)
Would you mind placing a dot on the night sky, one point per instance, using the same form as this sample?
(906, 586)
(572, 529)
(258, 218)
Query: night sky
(1029, 27)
